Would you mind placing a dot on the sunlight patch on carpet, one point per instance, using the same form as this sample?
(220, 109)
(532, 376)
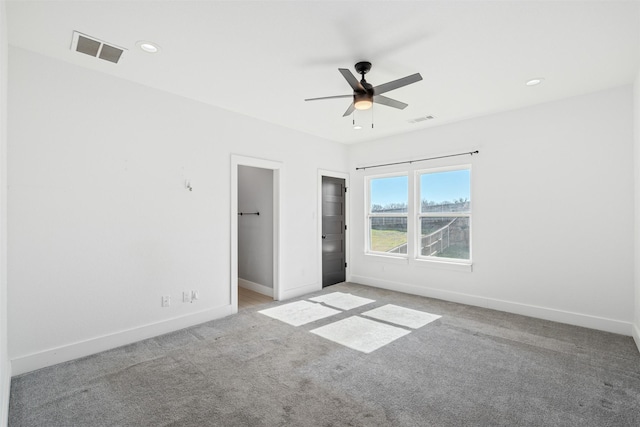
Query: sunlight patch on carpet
(299, 312)
(360, 334)
(342, 301)
(402, 316)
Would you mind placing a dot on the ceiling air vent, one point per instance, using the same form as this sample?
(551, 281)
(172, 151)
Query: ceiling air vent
(95, 47)
(421, 119)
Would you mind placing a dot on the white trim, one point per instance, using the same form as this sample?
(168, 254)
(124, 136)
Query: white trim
(444, 264)
(636, 335)
(368, 215)
(419, 214)
(5, 390)
(278, 179)
(340, 175)
(300, 291)
(255, 287)
(388, 215)
(387, 257)
(53, 356)
(440, 169)
(5, 363)
(561, 316)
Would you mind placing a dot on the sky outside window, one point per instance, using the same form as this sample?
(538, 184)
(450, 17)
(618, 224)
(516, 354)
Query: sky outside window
(435, 187)
(388, 191)
(448, 186)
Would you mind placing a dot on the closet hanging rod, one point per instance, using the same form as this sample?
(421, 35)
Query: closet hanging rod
(471, 153)
(248, 213)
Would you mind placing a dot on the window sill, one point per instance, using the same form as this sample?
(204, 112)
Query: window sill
(422, 263)
(444, 265)
(388, 259)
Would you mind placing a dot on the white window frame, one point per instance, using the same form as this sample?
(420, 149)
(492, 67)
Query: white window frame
(369, 215)
(417, 207)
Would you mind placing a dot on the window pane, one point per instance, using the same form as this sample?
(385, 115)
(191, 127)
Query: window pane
(445, 191)
(445, 237)
(389, 195)
(389, 234)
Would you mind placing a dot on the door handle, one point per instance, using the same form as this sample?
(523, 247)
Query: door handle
(324, 236)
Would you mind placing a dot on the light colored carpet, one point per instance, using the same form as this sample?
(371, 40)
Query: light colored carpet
(299, 312)
(402, 316)
(342, 301)
(471, 367)
(357, 333)
(360, 334)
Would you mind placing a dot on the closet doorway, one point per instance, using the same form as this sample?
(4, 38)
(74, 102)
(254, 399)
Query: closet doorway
(255, 226)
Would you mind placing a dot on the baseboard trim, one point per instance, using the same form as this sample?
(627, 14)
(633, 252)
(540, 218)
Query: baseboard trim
(31, 362)
(255, 287)
(5, 383)
(636, 335)
(577, 319)
(301, 290)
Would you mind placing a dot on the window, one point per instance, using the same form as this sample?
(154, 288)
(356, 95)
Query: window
(440, 227)
(444, 217)
(387, 214)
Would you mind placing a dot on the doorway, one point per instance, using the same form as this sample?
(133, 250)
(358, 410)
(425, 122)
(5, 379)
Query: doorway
(255, 230)
(334, 229)
(255, 235)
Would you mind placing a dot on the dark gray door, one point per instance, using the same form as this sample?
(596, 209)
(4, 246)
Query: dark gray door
(333, 231)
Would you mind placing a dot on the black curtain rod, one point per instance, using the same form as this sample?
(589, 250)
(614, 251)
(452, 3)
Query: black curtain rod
(248, 213)
(471, 153)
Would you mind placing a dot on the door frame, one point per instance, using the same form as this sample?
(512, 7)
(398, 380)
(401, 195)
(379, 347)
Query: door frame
(345, 176)
(277, 168)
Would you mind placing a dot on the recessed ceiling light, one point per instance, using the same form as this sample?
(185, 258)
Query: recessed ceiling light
(148, 47)
(357, 127)
(534, 82)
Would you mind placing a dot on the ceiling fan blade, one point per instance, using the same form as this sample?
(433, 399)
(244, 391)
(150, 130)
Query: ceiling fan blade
(349, 110)
(329, 97)
(379, 99)
(351, 79)
(386, 87)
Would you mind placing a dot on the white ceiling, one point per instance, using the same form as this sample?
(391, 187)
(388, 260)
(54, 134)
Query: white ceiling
(263, 58)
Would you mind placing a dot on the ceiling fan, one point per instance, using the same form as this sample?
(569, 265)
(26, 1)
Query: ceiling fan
(364, 94)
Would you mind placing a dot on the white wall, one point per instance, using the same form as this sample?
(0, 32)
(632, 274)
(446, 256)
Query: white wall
(255, 232)
(636, 160)
(100, 223)
(5, 365)
(552, 196)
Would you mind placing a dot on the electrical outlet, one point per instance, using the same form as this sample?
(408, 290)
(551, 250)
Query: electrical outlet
(195, 295)
(166, 301)
(186, 296)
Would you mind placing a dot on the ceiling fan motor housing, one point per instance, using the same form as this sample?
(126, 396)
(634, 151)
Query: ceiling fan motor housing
(363, 99)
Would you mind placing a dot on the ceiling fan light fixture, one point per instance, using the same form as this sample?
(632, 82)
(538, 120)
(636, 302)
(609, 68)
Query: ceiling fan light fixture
(363, 104)
(362, 101)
